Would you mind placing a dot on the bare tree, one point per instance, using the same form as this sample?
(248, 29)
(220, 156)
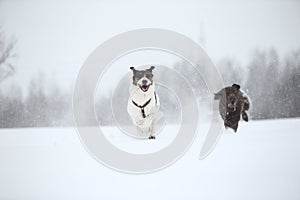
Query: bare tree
(6, 53)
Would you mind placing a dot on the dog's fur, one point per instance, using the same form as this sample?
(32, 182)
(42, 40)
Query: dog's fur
(143, 104)
(233, 104)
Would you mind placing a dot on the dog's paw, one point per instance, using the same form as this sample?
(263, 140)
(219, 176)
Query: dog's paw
(245, 116)
(151, 137)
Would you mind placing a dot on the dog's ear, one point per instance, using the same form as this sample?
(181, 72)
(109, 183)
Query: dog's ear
(236, 86)
(151, 68)
(219, 94)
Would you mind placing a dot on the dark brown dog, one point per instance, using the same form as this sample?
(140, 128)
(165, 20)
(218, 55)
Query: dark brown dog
(232, 105)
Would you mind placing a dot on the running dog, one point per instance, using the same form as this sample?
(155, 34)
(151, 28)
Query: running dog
(143, 104)
(233, 104)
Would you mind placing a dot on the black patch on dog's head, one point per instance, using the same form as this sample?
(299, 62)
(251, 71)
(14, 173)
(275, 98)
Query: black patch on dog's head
(139, 74)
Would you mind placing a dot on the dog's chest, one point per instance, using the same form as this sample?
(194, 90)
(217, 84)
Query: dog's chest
(142, 107)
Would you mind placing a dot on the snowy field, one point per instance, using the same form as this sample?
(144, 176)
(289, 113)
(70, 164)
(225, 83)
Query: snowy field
(262, 161)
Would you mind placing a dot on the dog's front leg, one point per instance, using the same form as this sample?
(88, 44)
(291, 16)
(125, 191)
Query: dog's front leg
(149, 126)
(151, 131)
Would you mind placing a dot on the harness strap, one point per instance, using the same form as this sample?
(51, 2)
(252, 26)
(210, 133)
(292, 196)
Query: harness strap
(142, 107)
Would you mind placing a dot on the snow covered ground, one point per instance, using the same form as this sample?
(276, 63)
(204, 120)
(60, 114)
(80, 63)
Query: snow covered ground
(262, 161)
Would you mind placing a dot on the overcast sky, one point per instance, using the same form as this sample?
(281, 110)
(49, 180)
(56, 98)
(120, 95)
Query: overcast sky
(55, 37)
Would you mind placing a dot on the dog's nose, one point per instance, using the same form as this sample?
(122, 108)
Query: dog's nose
(144, 82)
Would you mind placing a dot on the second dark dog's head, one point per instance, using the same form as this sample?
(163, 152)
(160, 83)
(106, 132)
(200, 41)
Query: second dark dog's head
(233, 98)
(142, 78)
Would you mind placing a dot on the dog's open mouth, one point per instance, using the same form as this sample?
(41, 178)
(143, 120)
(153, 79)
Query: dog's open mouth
(144, 88)
(231, 107)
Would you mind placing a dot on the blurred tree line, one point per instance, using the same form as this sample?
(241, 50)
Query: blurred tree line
(271, 82)
(39, 108)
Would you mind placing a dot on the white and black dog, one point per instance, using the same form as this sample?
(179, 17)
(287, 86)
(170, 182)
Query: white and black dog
(143, 104)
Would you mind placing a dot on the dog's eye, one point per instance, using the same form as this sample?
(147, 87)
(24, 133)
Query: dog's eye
(149, 75)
